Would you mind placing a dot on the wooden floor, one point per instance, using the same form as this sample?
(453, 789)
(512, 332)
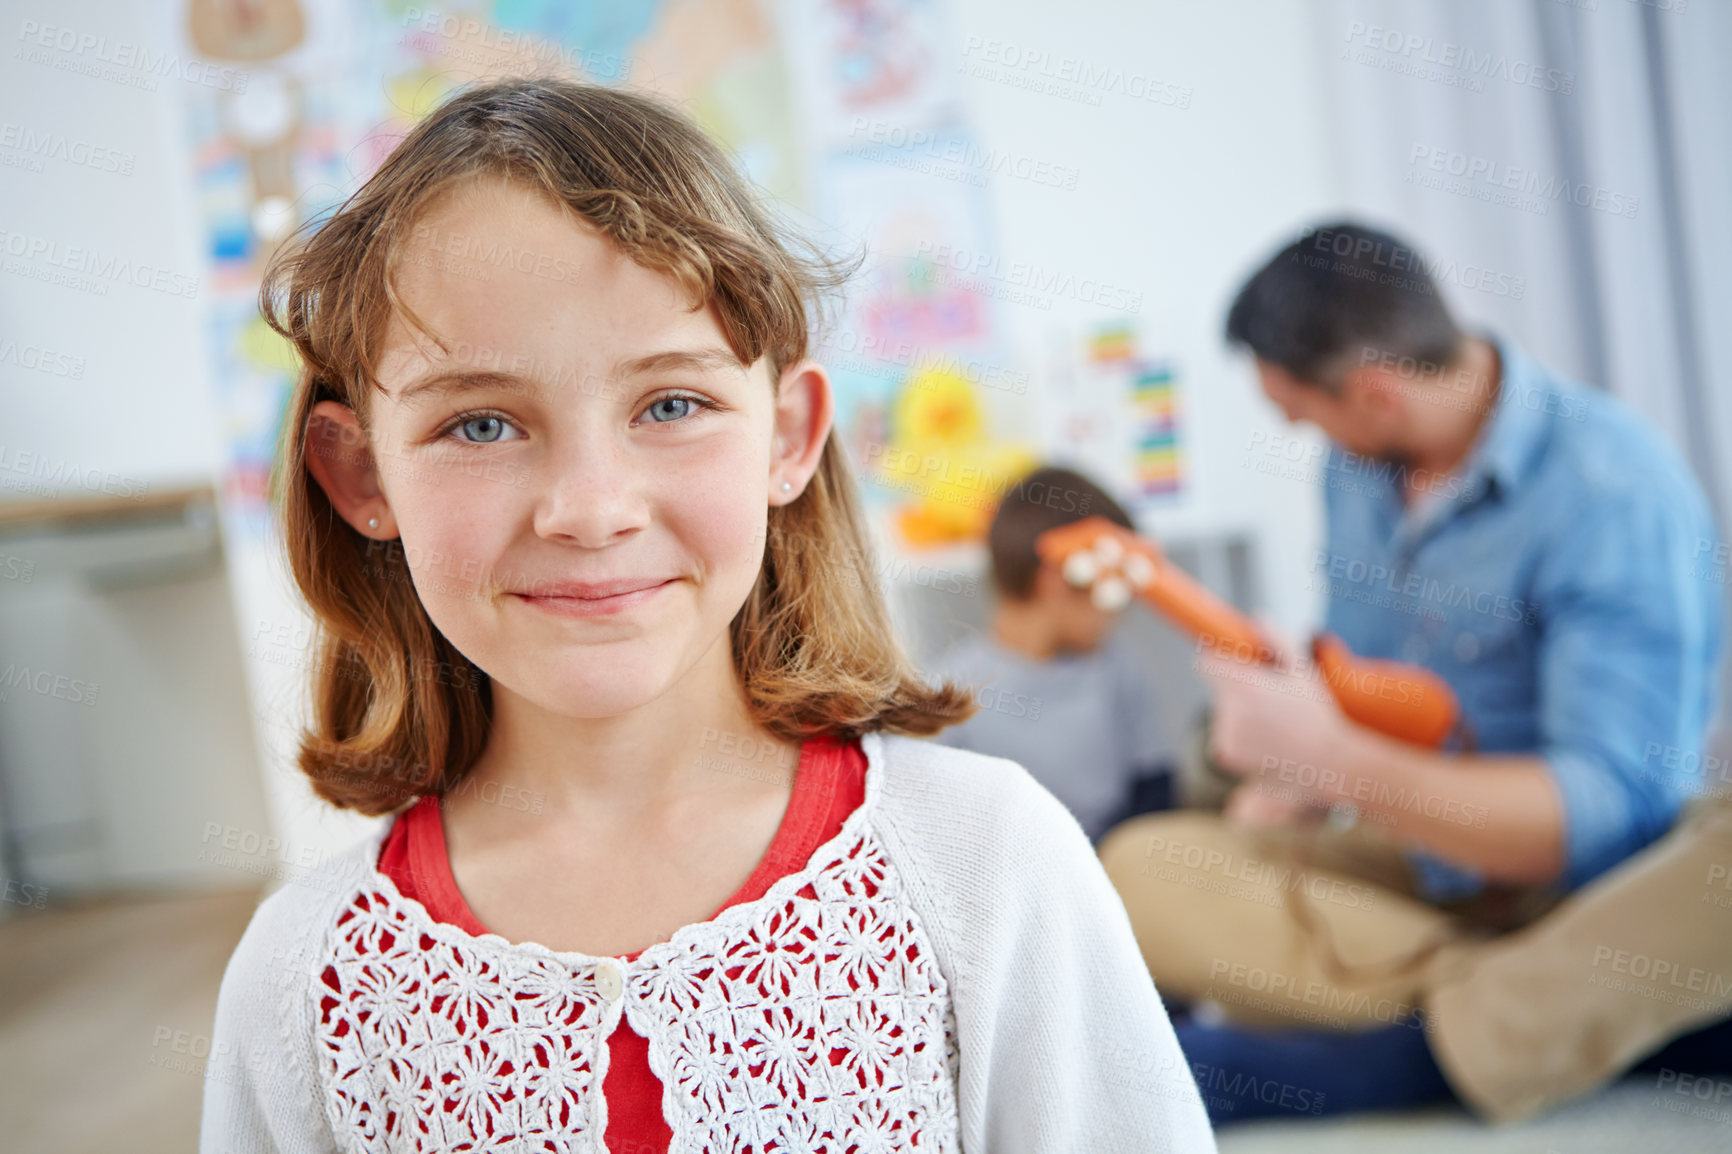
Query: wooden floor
(102, 1011)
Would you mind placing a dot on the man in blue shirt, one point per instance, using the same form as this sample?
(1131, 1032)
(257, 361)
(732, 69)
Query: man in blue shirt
(1529, 540)
(1534, 548)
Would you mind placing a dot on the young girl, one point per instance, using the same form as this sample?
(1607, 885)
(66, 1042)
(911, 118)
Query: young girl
(670, 870)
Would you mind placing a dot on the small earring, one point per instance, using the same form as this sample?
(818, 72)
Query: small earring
(786, 486)
(372, 522)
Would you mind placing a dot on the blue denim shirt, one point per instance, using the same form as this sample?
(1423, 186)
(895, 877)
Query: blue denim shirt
(1555, 582)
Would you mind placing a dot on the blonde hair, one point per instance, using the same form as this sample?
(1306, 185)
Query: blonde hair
(397, 711)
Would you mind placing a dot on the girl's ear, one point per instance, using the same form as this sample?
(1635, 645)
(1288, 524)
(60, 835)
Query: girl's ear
(341, 461)
(803, 415)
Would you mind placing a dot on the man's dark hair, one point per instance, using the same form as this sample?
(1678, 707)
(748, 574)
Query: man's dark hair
(1338, 290)
(1043, 499)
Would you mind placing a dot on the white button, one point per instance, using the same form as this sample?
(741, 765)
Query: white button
(1139, 571)
(609, 981)
(1111, 594)
(1080, 569)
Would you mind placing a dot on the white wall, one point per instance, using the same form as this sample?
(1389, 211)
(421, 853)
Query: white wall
(142, 408)
(1180, 203)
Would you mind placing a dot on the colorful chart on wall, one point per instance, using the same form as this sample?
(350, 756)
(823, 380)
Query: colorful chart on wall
(1114, 410)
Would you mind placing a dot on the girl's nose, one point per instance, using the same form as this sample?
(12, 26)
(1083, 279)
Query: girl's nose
(590, 491)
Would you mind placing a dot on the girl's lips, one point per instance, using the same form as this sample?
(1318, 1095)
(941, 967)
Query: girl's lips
(592, 606)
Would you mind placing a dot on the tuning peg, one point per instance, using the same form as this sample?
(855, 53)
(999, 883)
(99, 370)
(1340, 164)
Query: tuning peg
(1080, 569)
(1108, 550)
(1111, 594)
(1139, 571)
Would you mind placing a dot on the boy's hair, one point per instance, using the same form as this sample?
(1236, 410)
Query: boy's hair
(397, 711)
(1337, 291)
(1043, 499)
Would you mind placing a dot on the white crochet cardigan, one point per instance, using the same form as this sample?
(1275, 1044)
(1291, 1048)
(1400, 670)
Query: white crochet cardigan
(952, 972)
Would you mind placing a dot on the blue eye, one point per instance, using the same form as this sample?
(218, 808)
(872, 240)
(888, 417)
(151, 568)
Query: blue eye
(676, 399)
(483, 430)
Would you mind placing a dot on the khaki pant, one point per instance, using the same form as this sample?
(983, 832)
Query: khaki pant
(1324, 928)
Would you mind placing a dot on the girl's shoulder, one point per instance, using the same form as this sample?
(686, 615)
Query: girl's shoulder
(289, 928)
(968, 785)
(971, 818)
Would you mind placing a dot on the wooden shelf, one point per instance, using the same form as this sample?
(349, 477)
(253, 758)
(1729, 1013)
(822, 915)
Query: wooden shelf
(81, 510)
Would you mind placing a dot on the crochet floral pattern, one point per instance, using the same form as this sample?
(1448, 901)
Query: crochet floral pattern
(813, 1020)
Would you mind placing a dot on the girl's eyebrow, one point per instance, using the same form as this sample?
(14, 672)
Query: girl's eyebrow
(442, 383)
(439, 383)
(711, 358)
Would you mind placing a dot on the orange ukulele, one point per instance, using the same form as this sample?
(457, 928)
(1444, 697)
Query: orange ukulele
(1403, 701)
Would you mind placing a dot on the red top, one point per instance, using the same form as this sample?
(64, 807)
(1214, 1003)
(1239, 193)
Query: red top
(829, 784)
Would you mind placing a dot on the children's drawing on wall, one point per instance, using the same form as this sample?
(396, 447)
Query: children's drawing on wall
(317, 113)
(928, 400)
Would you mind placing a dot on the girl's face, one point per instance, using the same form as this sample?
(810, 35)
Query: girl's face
(582, 427)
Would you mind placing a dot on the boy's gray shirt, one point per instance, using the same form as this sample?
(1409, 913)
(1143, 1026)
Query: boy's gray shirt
(1084, 725)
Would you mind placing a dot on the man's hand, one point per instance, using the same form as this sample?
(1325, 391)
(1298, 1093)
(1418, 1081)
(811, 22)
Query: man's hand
(1254, 805)
(1278, 727)
(1267, 715)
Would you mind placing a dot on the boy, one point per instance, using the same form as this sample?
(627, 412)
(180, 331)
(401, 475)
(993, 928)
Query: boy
(1059, 692)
